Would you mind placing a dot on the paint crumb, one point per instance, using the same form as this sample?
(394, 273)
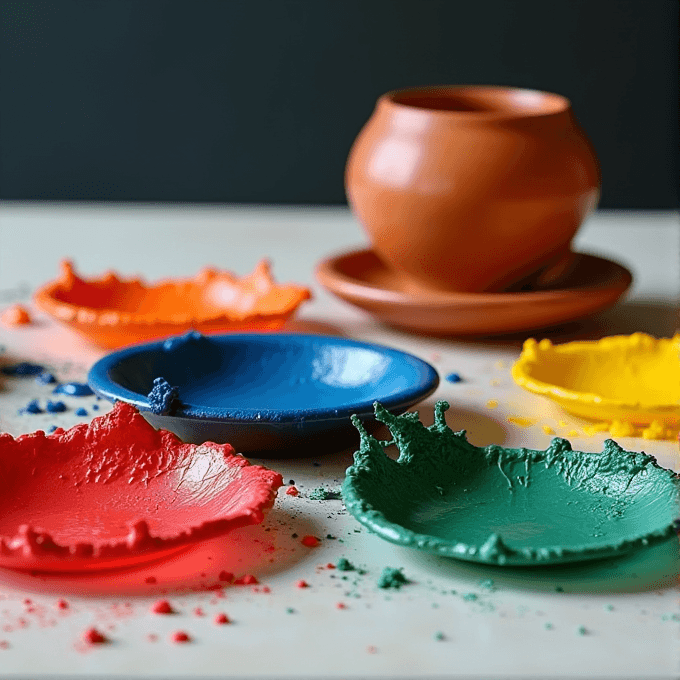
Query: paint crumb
(488, 584)
(32, 407)
(152, 637)
(454, 378)
(62, 604)
(302, 584)
(22, 369)
(438, 636)
(310, 541)
(292, 491)
(81, 412)
(593, 429)
(52, 428)
(179, 637)
(392, 578)
(372, 649)
(582, 630)
(74, 389)
(45, 378)
(547, 429)
(221, 618)
(494, 382)
(562, 423)
(290, 610)
(4, 644)
(16, 315)
(522, 422)
(163, 398)
(492, 403)
(93, 637)
(321, 494)
(55, 406)
(471, 597)
(609, 607)
(341, 605)
(162, 607)
(344, 564)
(225, 576)
(548, 626)
(559, 589)
(246, 580)
(655, 430)
(150, 579)
(620, 428)
(573, 433)
(670, 617)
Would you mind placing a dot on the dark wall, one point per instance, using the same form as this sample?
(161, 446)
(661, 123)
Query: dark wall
(259, 100)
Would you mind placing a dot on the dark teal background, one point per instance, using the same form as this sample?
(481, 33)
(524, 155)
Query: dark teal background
(258, 101)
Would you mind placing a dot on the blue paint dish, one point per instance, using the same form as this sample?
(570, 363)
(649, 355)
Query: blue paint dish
(274, 394)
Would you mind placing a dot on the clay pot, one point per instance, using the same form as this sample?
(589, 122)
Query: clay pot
(472, 188)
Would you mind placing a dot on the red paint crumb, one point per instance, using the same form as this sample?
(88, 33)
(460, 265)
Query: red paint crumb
(16, 315)
(310, 541)
(221, 619)
(225, 576)
(246, 580)
(341, 605)
(179, 637)
(150, 579)
(162, 607)
(93, 637)
(152, 637)
(292, 491)
(4, 644)
(371, 649)
(27, 601)
(266, 589)
(199, 612)
(330, 566)
(302, 584)
(62, 604)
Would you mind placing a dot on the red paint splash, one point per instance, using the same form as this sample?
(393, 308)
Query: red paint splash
(310, 541)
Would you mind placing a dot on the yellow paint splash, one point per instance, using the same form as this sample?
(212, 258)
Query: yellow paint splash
(492, 403)
(522, 422)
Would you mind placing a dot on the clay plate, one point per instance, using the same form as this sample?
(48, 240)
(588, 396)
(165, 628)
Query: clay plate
(116, 492)
(264, 393)
(362, 279)
(113, 312)
(631, 378)
(513, 507)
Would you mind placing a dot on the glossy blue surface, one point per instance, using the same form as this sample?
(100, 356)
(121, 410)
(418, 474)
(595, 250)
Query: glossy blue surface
(265, 392)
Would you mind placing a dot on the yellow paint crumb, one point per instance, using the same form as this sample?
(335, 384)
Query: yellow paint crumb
(621, 429)
(562, 423)
(573, 433)
(494, 383)
(590, 430)
(548, 430)
(492, 403)
(500, 364)
(654, 431)
(522, 422)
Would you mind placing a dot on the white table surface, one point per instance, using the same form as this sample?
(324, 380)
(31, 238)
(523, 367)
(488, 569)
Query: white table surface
(626, 605)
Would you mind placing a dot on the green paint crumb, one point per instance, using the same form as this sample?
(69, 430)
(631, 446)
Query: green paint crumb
(609, 607)
(290, 610)
(344, 564)
(438, 635)
(670, 617)
(330, 537)
(454, 592)
(322, 494)
(392, 578)
(582, 630)
(559, 589)
(435, 605)
(488, 584)
(548, 626)
(470, 597)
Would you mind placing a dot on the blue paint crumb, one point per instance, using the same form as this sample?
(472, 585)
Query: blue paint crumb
(32, 407)
(45, 378)
(454, 378)
(95, 407)
(81, 412)
(51, 429)
(56, 406)
(163, 397)
(23, 369)
(74, 389)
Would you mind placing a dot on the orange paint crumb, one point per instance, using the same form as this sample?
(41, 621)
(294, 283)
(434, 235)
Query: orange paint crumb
(292, 491)
(310, 541)
(522, 422)
(16, 315)
(492, 403)
(548, 430)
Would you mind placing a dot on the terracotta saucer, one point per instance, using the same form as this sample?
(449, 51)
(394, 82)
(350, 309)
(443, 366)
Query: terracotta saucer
(362, 279)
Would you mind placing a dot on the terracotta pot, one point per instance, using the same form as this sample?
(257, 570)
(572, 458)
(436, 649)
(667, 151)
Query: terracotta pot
(472, 188)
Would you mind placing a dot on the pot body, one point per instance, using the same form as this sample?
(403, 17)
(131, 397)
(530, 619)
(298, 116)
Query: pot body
(472, 188)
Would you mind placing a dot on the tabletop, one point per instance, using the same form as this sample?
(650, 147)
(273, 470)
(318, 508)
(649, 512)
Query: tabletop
(617, 618)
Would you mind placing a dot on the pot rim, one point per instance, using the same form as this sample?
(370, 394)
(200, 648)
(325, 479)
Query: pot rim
(478, 102)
